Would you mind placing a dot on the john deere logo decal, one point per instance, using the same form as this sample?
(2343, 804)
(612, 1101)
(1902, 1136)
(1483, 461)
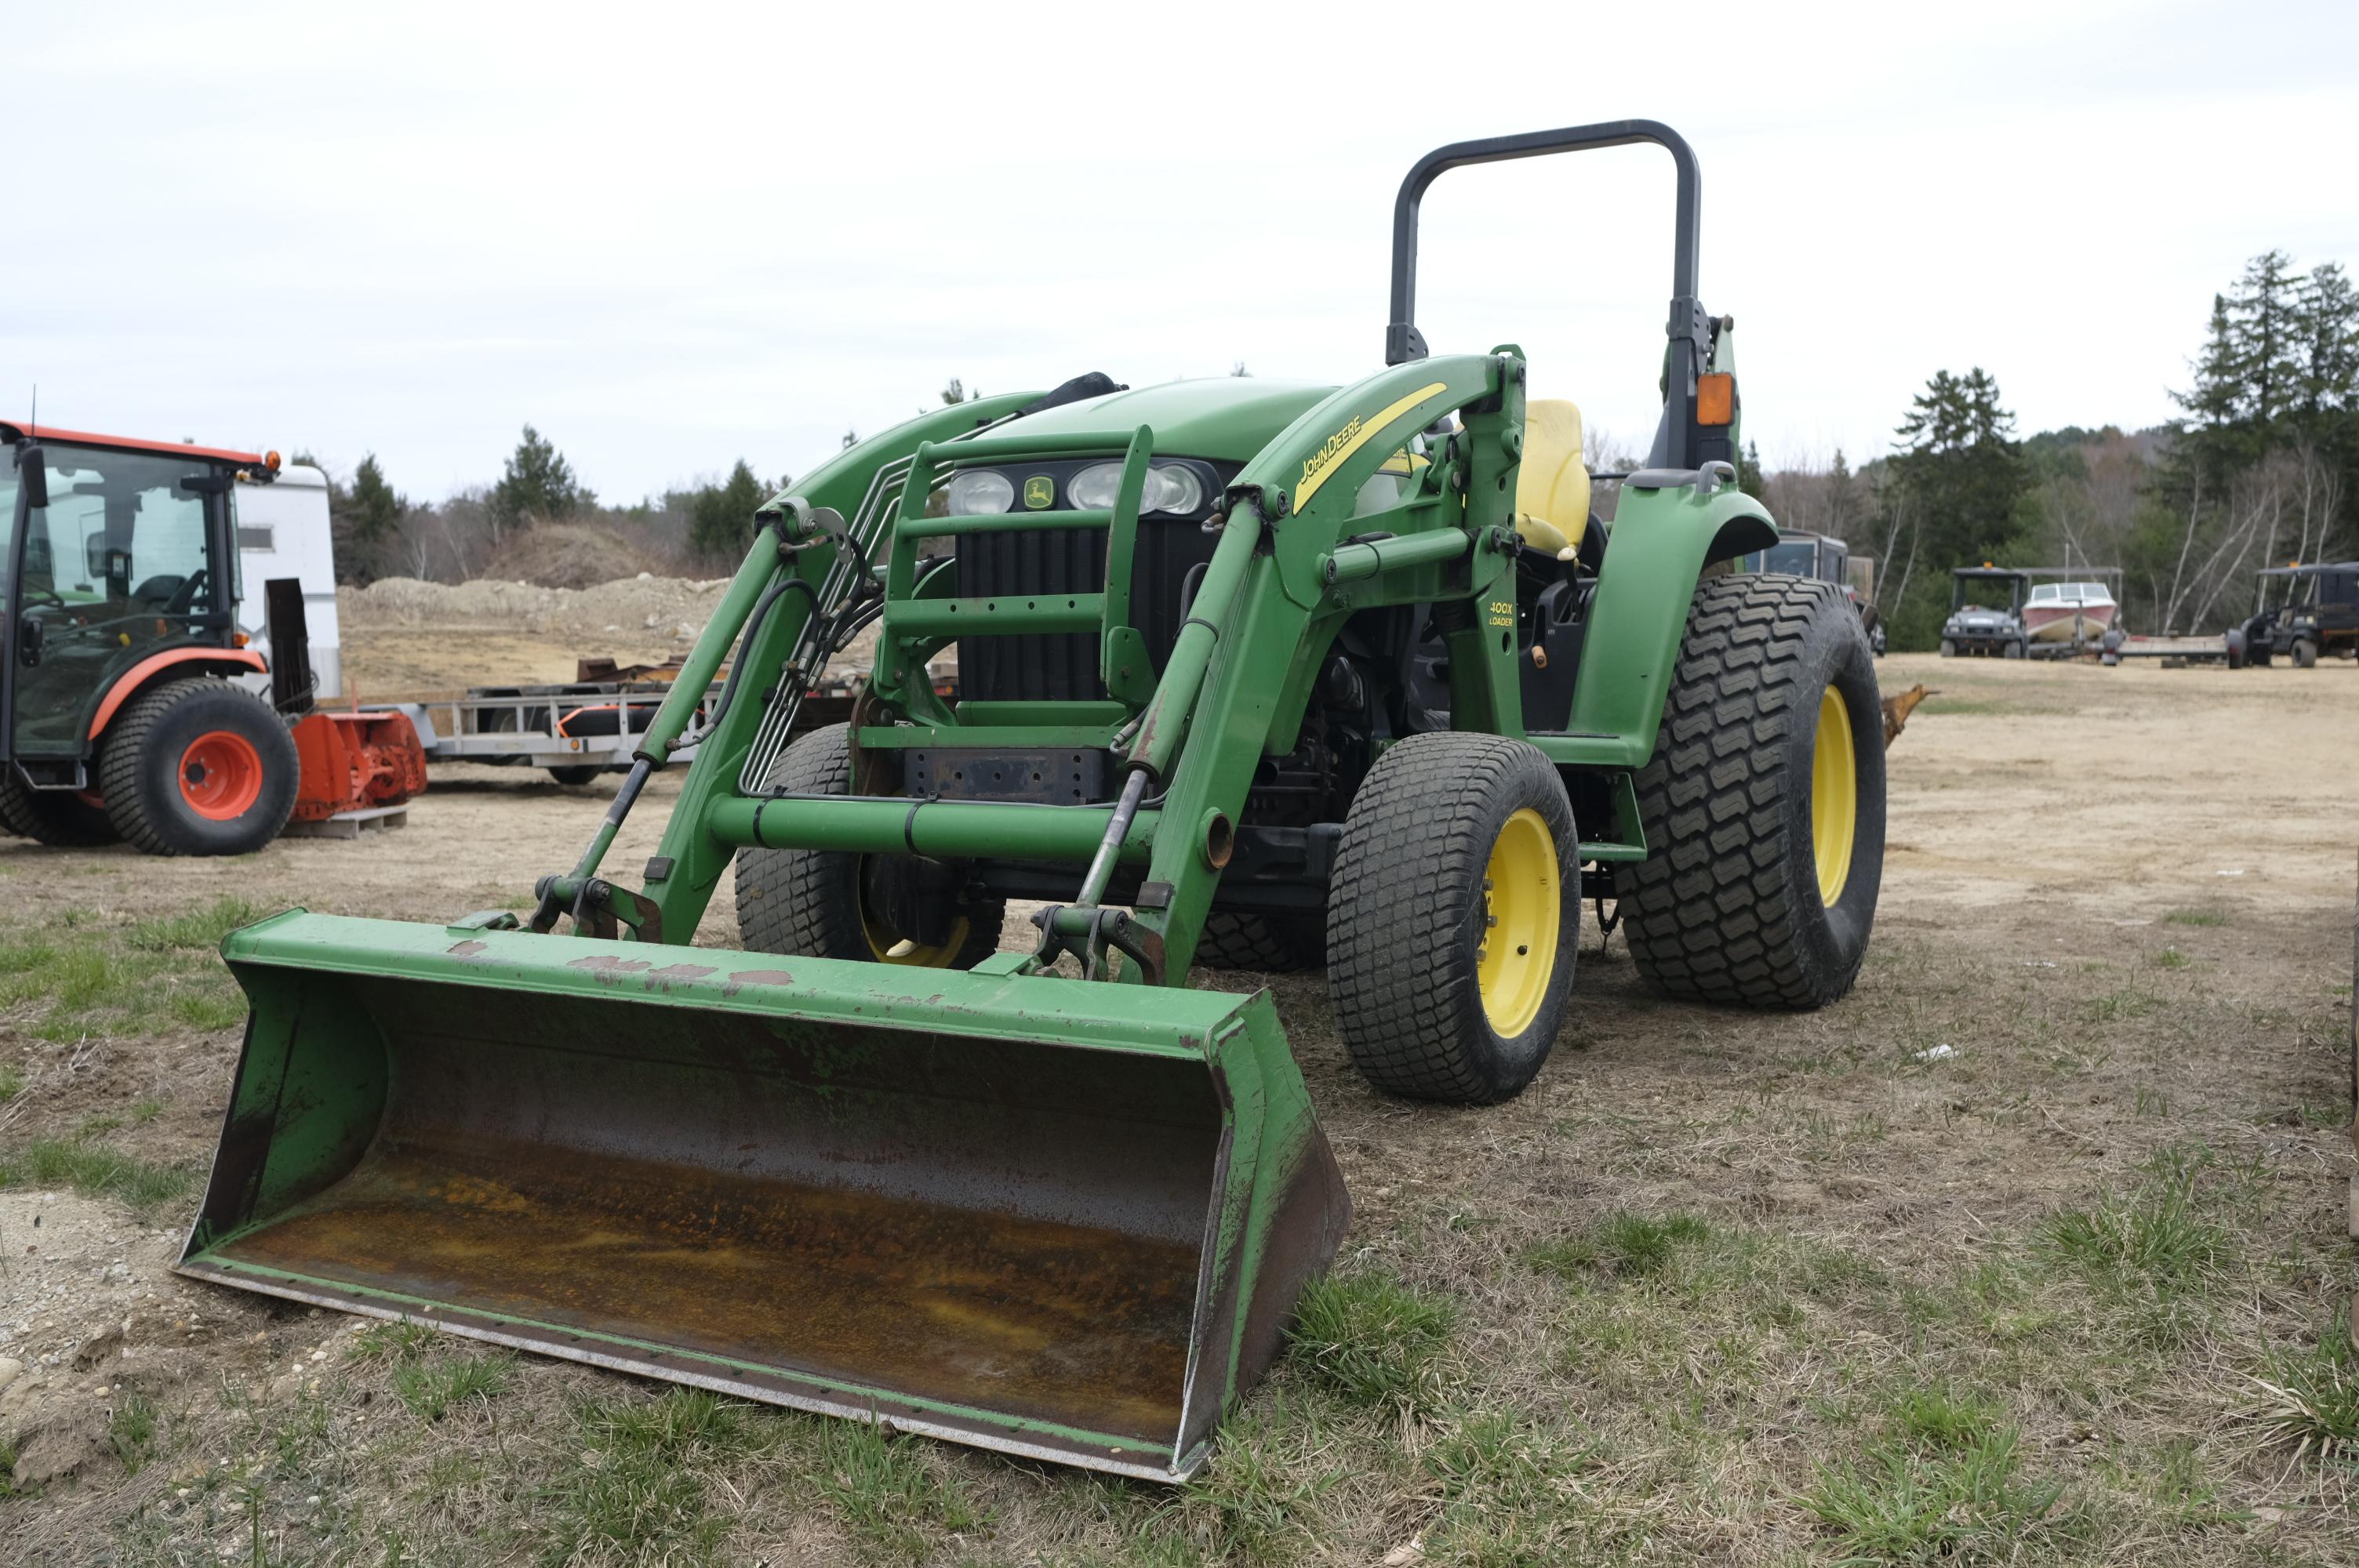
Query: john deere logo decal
(1039, 491)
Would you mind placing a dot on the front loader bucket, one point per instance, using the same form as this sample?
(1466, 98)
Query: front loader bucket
(1060, 1218)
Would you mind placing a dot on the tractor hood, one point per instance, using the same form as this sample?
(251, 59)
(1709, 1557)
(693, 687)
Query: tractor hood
(1226, 418)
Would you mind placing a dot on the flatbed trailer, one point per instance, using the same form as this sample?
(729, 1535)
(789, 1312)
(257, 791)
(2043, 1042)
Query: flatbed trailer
(575, 730)
(2194, 650)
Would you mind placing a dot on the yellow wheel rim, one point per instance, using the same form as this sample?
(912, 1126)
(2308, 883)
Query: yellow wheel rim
(1521, 906)
(891, 947)
(1834, 796)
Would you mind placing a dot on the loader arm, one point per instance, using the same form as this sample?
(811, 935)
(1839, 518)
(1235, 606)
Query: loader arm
(689, 859)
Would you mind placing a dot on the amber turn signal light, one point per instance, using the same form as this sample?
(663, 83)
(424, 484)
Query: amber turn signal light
(1717, 398)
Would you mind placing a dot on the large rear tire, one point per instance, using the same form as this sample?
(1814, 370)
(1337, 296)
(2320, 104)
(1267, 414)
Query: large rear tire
(1762, 806)
(809, 903)
(1454, 918)
(197, 767)
(1268, 944)
(59, 818)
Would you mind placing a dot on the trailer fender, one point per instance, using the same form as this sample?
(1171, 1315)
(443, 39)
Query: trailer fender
(173, 664)
(1662, 540)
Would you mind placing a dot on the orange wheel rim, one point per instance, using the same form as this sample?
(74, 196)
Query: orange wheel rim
(221, 775)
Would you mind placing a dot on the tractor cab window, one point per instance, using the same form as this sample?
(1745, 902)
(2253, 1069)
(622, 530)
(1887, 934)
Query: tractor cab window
(1796, 558)
(117, 566)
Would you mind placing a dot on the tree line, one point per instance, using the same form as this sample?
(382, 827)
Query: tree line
(2260, 469)
(379, 532)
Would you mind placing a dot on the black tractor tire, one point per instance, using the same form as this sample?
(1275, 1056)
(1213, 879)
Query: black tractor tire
(573, 773)
(59, 818)
(2257, 656)
(1949, 649)
(1412, 910)
(2305, 653)
(1727, 906)
(807, 903)
(2014, 650)
(197, 767)
(1267, 943)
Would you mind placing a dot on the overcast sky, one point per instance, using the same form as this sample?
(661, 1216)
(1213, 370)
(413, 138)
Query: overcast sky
(671, 236)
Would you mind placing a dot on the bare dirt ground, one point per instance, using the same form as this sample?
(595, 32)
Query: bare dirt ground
(2032, 1249)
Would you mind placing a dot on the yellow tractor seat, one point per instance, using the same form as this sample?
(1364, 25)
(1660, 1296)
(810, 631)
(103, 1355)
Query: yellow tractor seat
(1552, 483)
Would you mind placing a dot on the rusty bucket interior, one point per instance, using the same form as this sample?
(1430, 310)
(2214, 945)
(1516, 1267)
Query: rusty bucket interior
(1056, 1218)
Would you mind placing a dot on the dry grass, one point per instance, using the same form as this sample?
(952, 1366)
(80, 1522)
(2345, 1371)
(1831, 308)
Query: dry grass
(1749, 1289)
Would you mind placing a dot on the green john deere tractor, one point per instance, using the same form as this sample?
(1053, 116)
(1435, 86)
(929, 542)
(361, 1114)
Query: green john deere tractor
(1250, 674)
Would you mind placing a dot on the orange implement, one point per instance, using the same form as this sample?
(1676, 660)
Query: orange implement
(356, 761)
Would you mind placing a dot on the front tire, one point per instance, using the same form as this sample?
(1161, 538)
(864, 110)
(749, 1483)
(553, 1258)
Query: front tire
(1454, 918)
(1949, 649)
(1763, 804)
(197, 767)
(2305, 653)
(809, 903)
(572, 775)
(2014, 650)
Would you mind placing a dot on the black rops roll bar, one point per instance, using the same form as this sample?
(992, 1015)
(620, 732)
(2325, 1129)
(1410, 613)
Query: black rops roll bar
(1689, 327)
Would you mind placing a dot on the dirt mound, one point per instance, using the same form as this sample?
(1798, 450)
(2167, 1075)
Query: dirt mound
(671, 607)
(566, 555)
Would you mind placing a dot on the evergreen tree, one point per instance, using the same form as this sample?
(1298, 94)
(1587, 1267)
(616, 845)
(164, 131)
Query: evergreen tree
(1961, 467)
(1843, 507)
(720, 516)
(2327, 321)
(2263, 342)
(1749, 478)
(372, 508)
(537, 484)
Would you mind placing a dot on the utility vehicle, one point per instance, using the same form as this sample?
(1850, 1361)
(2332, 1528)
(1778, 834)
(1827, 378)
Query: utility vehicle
(2304, 611)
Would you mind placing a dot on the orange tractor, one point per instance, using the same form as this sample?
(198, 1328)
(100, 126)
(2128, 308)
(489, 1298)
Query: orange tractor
(128, 707)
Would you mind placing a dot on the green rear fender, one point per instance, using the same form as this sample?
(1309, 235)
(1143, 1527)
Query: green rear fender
(1662, 541)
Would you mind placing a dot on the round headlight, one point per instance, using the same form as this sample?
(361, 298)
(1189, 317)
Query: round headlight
(1172, 489)
(1094, 488)
(978, 493)
(1169, 488)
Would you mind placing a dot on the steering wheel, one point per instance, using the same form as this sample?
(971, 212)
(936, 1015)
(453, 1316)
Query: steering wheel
(185, 601)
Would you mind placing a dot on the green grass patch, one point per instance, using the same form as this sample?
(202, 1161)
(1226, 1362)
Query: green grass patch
(2310, 1400)
(2154, 1237)
(131, 1432)
(889, 1492)
(1260, 1500)
(637, 1492)
(2195, 917)
(1944, 1484)
(132, 981)
(1373, 1341)
(433, 1388)
(1511, 1495)
(395, 1344)
(12, 1081)
(2170, 958)
(95, 1171)
(202, 928)
(1622, 1246)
